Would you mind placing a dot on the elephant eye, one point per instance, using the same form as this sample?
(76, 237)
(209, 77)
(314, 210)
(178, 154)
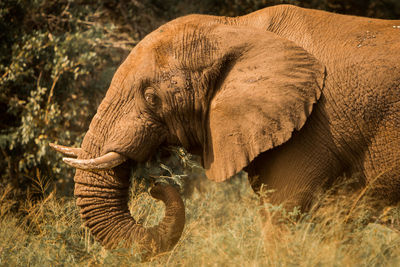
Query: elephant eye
(151, 97)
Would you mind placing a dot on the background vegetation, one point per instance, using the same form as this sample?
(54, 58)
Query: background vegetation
(57, 58)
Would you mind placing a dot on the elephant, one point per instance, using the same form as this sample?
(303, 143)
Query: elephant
(295, 97)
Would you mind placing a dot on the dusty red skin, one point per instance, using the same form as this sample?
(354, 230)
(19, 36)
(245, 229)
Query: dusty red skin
(293, 96)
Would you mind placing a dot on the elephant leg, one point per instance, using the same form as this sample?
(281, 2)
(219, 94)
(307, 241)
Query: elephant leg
(383, 187)
(383, 191)
(295, 178)
(382, 162)
(296, 172)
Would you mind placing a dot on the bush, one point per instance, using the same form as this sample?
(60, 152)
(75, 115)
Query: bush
(57, 59)
(55, 64)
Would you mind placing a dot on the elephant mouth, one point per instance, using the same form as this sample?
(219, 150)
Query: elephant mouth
(108, 161)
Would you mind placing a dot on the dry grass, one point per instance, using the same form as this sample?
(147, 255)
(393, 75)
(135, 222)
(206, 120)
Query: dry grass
(223, 229)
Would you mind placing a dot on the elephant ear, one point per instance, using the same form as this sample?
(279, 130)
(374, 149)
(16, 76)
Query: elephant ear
(268, 91)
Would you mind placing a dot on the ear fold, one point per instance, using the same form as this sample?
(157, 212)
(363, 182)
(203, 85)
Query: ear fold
(267, 93)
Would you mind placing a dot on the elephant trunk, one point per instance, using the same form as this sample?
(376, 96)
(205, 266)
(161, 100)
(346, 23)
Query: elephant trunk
(102, 196)
(104, 210)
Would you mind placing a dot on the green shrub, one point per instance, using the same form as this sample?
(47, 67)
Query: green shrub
(57, 59)
(55, 64)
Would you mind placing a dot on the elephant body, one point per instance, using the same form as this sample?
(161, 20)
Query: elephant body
(295, 97)
(355, 126)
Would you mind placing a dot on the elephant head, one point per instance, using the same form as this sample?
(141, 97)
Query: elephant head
(218, 89)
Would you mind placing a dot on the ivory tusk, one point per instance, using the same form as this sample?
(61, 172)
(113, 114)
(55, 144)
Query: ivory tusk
(69, 151)
(107, 161)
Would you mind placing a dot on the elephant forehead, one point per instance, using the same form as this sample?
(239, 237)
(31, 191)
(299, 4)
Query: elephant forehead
(154, 51)
(172, 82)
(160, 39)
(139, 65)
(180, 40)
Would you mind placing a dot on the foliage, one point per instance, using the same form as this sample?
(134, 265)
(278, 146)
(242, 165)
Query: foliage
(57, 59)
(55, 64)
(222, 229)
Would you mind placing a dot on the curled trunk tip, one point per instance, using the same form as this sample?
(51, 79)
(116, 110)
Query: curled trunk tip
(112, 224)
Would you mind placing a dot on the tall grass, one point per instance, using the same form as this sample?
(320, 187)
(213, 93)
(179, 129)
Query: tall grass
(223, 228)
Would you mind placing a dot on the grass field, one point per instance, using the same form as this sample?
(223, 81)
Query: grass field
(223, 229)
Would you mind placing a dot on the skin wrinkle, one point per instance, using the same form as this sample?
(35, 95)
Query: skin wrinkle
(290, 32)
(136, 234)
(144, 125)
(181, 114)
(101, 210)
(170, 216)
(280, 138)
(116, 235)
(201, 100)
(106, 226)
(243, 92)
(359, 128)
(101, 228)
(107, 230)
(186, 121)
(173, 95)
(335, 109)
(125, 230)
(179, 120)
(90, 179)
(101, 183)
(102, 224)
(306, 166)
(349, 149)
(106, 196)
(96, 190)
(88, 204)
(174, 120)
(98, 209)
(97, 212)
(93, 178)
(192, 111)
(321, 117)
(102, 234)
(189, 45)
(105, 235)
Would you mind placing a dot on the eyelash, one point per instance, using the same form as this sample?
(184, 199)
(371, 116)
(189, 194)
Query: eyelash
(151, 98)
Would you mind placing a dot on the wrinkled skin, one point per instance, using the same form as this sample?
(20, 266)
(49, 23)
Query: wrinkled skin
(296, 97)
